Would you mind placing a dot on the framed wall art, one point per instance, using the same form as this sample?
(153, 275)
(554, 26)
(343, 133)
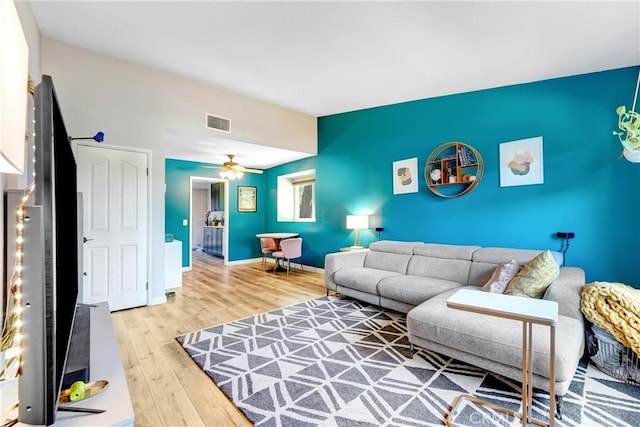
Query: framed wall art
(405, 176)
(521, 162)
(247, 199)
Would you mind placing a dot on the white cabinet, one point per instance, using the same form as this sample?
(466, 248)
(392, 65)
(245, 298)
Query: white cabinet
(173, 264)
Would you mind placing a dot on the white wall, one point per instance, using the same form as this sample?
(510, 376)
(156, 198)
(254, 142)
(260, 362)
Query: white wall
(199, 204)
(136, 106)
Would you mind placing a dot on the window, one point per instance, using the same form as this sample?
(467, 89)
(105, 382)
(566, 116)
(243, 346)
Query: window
(297, 196)
(304, 207)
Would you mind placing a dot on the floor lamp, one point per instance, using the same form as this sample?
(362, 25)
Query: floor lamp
(357, 223)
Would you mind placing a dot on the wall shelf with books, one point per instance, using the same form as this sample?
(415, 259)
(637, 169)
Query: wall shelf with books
(453, 169)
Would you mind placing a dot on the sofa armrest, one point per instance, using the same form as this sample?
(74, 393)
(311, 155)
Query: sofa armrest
(336, 261)
(566, 290)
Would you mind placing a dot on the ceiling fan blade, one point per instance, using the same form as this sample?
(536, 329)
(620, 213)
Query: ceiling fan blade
(233, 166)
(240, 168)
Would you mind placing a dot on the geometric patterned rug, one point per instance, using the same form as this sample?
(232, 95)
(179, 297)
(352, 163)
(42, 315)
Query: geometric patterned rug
(336, 361)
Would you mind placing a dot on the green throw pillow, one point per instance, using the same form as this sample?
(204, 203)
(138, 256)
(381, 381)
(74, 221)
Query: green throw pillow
(535, 277)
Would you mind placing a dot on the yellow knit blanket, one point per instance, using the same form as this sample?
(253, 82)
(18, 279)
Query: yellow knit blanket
(615, 307)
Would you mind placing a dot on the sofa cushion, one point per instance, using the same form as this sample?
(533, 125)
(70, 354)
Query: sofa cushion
(387, 261)
(455, 270)
(502, 255)
(362, 279)
(413, 289)
(438, 250)
(497, 338)
(535, 277)
(485, 261)
(393, 246)
(501, 277)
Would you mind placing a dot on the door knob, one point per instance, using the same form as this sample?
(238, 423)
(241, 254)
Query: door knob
(85, 240)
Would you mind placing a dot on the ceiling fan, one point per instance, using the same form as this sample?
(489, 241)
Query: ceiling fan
(232, 170)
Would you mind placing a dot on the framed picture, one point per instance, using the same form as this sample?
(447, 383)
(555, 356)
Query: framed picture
(405, 176)
(521, 162)
(246, 199)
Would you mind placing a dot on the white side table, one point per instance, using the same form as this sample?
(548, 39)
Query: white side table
(173, 264)
(528, 311)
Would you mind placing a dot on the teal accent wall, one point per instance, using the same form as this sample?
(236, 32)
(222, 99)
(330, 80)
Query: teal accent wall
(587, 188)
(242, 226)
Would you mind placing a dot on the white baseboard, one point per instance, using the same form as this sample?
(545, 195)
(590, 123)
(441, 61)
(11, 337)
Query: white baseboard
(158, 300)
(293, 264)
(245, 261)
(309, 268)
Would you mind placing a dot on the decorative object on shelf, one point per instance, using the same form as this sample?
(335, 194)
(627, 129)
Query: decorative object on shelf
(462, 164)
(247, 199)
(404, 176)
(357, 223)
(521, 162)
(451, 178)
(435, 176)
(89, 389)
(629, 125)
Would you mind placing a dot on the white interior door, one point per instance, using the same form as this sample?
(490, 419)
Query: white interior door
(114, 187)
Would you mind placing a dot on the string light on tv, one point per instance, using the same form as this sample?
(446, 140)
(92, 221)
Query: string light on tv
(12, 330)
(11, 338)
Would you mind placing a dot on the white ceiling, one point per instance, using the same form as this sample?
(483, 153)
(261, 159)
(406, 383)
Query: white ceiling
(327, 57)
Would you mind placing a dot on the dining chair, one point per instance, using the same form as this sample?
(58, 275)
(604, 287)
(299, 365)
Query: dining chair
(289, 249)
(268, 246)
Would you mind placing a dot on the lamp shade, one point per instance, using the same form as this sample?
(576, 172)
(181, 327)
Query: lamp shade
(357, 222)
(231, 175)
(14, 74)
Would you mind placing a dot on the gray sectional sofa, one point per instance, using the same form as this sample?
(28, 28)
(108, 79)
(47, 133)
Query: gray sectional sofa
(417, 278)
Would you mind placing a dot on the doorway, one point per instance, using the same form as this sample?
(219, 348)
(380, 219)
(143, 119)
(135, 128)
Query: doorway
(209, 219)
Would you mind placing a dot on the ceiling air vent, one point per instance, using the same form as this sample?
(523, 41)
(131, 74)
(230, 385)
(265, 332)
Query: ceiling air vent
(218, 123)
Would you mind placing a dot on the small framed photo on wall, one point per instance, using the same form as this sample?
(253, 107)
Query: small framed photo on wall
(521, 162)
(247, 199)
(405, 176)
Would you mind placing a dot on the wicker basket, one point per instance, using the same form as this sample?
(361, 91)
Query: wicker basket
(612, 357)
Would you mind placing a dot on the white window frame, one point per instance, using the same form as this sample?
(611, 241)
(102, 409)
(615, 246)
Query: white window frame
(287, 205)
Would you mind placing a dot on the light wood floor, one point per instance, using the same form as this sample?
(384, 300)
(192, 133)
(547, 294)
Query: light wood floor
(167, 388)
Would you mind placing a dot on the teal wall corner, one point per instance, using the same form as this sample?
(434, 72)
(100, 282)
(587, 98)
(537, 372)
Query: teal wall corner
(241, 226)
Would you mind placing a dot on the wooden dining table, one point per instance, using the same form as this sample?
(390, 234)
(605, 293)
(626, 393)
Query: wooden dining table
(277, 237)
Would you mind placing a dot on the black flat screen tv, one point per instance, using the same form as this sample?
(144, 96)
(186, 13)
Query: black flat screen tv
(50, 262)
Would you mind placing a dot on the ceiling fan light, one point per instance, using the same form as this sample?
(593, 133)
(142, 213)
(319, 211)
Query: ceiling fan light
(223, 174)
(239, 174)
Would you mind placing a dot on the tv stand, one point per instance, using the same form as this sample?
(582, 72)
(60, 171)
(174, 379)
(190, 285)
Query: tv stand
(106, 364)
